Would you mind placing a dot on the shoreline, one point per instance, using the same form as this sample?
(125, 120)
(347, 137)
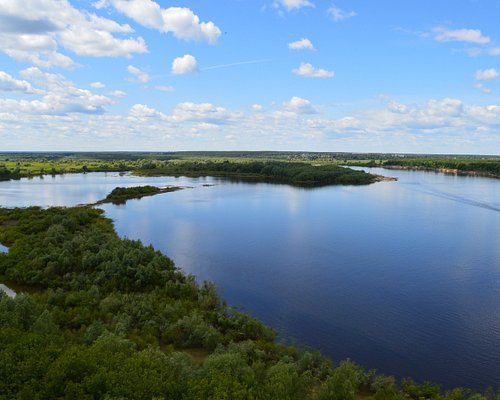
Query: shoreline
(447, 171)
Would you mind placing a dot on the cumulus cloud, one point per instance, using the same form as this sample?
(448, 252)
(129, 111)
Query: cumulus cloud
(141, 111)
(445, 125)
(34, 31)
(140, 75)
(97, 85)
(179, 21)
(301, 44)
(486, 74)
(445, 107)
(299, 105)
(339, 15)
(207, 112)
(10, 84)
(307, 70)
(442, 34)
(60, 97)
(186, 113)
(184, 65)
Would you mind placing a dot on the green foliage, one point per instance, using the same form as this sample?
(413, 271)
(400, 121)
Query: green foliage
(344, 383)
(120, 195)
(460, 165)
(295, 173)
(113, 319)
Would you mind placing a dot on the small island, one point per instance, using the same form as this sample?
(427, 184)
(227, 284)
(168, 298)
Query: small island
(120, 195)
(291, 173)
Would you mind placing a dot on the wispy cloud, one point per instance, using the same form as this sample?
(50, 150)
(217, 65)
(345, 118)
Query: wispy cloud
(139, 74)
(442, 34)
(339, 15)
(486, 74)
(294, 4)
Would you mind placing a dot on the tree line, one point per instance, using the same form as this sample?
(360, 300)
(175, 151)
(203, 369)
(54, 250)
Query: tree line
(295, 173)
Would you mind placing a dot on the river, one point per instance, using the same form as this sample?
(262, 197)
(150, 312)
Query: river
(399, 276)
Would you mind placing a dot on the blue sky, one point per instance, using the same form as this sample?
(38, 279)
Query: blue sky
(348, 75)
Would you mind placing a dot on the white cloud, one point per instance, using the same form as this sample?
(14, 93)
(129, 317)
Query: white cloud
(443, 125)
(493, 51)
(117, 93)
(60, 97)
(139, 74)
(257, 107)
(179, 21)
(97, 85)
(398, 108)
(486, 74)
(34, 31)
(442, 34)
(477, 51)
(207, 112)
(100, 4)
(10, 84)
(295, 4)
(482, 88)
(299, 105)
(163, 88)
(307, 70)
(143, 111)
(445, 107)
(100, 43)
(301, 44)
(339, 15)
(184, 65)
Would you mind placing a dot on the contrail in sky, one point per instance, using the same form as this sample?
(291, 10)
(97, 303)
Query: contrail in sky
(235, 64)
(220, 66)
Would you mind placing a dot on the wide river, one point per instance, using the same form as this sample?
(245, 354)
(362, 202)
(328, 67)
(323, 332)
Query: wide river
(399, 276)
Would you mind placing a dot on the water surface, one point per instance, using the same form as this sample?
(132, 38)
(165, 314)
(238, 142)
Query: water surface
(7, 290)
(399, 276)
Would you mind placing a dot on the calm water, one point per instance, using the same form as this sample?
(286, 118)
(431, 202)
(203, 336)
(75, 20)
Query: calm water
(399, 276)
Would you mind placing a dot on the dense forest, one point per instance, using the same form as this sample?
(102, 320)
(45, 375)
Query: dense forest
(294, 173)
(109, 318)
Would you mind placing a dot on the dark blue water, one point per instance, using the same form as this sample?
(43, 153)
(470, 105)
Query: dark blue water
(399, 276)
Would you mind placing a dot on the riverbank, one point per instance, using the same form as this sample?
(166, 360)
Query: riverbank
(448, 171)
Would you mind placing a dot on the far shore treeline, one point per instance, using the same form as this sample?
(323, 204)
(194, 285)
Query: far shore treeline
(99, 317)
(19, 165)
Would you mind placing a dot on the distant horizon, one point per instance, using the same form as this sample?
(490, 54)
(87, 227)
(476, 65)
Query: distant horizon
(245, 151)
